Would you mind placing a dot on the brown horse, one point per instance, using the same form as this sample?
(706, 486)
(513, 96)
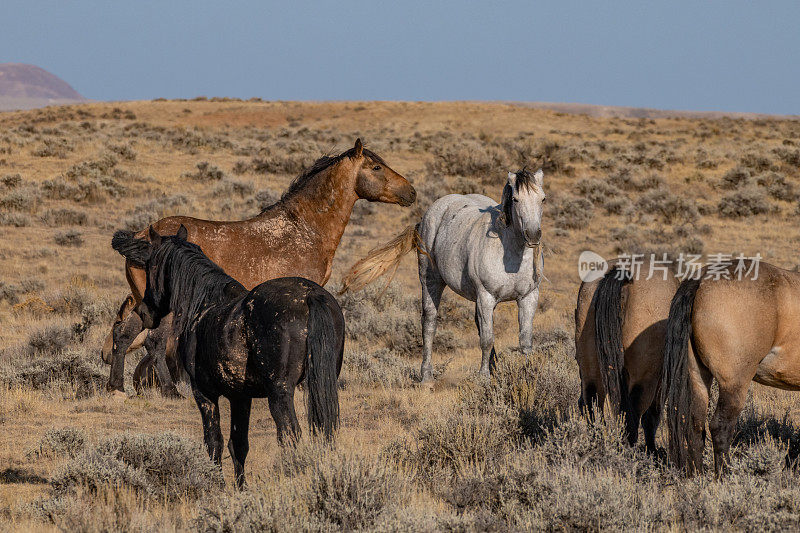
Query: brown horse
(620, 321)
(736, 330)
(297, 236)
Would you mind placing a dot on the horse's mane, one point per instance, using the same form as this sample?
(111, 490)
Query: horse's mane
(323, 163)
(195, 281)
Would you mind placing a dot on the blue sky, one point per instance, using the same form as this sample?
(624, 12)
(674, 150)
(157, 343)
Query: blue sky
(703, 55)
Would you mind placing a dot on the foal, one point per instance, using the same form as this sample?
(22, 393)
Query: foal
(242, 344)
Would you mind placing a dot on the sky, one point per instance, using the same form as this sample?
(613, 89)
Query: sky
(704, 55)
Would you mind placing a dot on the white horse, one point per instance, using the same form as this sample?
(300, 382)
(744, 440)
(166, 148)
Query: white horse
(487, 253)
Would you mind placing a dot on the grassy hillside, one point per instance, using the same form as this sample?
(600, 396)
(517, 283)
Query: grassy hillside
(461, 455)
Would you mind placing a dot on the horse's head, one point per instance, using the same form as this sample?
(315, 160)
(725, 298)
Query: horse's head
(376, 182)
(522, 201)
(145, 253)
(108, 345)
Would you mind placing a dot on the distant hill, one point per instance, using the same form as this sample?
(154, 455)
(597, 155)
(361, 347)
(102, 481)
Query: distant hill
(607, 111)
(28, 86)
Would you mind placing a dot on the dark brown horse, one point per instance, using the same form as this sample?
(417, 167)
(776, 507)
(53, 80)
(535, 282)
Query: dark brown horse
(735, 330)
(297, 236)
(620, 322)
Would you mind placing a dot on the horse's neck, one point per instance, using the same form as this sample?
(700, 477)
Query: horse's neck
(323, 207)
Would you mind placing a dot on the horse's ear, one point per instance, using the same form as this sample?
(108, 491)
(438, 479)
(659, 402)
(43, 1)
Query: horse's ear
(358, 149)
(538, 178)
(183, 233)
(512, 179)
(153, 235)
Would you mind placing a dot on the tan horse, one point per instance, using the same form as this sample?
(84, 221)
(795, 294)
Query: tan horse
(736, 330)
(620, 321)
(297, 236)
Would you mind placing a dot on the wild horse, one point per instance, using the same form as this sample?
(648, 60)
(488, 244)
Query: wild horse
(485, 252)
(297, 236)
(734, 323)
(242, 344)
(620, 323)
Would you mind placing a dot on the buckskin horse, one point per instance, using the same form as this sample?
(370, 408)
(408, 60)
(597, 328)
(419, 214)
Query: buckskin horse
(486, 253)
(620, 322)
(242, 344)
(297, 236)
(736, 323)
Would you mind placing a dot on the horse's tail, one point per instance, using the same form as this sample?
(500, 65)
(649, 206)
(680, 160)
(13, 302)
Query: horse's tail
(325, 349)
(608, 334)
(676, 387)
(379, 260)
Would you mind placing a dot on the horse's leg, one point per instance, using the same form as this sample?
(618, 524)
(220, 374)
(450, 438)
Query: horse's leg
(700, 380)
(238, 445)
(432, 288)
(281, 405)
(526, 308)
(125, 332)
(212, 434)
(484, 315)
(650, 420)
(145, 375)
(157, 347)
(732, 397)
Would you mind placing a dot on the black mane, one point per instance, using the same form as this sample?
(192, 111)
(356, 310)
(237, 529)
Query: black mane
(194, 281)
(324, 162)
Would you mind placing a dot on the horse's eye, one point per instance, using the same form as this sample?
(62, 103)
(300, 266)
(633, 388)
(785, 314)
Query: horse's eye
(376, 167)
(544, 199)
(515, 199)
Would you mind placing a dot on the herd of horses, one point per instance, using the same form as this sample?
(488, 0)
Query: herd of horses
(238, 310)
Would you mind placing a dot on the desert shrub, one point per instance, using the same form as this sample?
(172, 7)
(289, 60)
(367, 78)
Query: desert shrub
(240, 167)
(17, 220)
(667, 206)
(70, 299)
(125, 151)
(274, 508)
(205, 172)
(69, 238)
(744, 203)
(292, 164)
(597, 191)
(569, 212)
(267, 197)
(618, 206)
(25, 199)
(145, 214)
(53, 338)
(228, 187)
(163, 465)
(43, 370)
(788, 156)
(777, 186)
(53, 148)
(756, 162)
(60, 442)
(11, 181)
(377, 368)
(64, 217)
(474, 159)
(735, 178)
(350, 491)
(94, 169)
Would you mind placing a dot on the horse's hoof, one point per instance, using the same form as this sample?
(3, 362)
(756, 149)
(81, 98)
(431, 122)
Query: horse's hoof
(172, 394)
(118, 395)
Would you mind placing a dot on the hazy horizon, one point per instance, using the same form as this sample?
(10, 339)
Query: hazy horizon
(731, 57)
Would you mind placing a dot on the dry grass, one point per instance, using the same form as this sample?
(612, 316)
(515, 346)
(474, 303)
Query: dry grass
(461, 455)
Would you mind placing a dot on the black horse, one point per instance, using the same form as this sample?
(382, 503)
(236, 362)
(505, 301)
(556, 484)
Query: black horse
(242, 344)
